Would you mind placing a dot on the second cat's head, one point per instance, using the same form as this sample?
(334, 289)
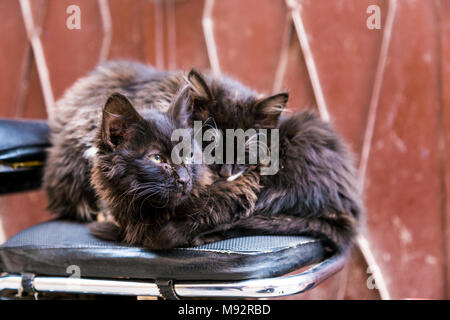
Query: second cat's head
(222, 103)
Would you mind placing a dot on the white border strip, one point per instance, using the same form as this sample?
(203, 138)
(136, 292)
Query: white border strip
(38, 51)
(159, 34)
(378, 82)
(284, 55)
(2, 231)
(208, 32)
(309, 59)
(105, 14)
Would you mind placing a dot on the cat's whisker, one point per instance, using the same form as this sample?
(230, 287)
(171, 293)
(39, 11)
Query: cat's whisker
(256, 135)
(206, 124)
(163, 194)
(215, 124)
(259, 146)
(203, 125)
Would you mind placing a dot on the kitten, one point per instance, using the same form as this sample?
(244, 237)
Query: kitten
(154, 201)
(111, 153)
(315, 192)
(227, 104)
(78, 120)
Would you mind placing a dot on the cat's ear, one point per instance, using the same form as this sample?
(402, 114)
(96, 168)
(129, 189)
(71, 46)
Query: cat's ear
(199, 89)
(200, 97)
(178, 108)
(267, 111)
(119, 118)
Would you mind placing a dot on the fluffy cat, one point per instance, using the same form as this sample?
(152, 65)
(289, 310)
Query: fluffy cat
(315, 192)
(111, 153)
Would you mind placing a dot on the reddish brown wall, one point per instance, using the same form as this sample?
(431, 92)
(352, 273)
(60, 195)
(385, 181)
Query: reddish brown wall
(408, 170)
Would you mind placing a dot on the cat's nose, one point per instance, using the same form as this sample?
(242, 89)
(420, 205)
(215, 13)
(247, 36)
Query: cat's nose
(225, 171)
(183, 176)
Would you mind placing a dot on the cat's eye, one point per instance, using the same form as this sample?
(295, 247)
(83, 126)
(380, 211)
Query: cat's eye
(156, 158)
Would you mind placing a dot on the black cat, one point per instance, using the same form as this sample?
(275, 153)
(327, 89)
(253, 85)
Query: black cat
(111, 154)
(315, 192)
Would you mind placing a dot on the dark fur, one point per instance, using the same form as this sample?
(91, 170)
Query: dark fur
(226, 104)
(76, 123)
(315, 192)
(144, 204)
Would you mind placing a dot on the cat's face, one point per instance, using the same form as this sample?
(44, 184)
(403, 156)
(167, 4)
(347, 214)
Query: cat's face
(229, 106)
(135, 156)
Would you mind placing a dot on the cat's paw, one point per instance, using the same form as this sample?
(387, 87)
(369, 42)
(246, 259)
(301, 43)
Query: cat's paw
(208, 238)
(105, 230)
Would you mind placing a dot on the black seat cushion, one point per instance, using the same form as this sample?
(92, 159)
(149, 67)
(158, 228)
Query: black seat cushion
(51, 247)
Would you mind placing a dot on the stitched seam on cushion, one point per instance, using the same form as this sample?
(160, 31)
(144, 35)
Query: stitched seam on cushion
(252, 252)
(223, 251)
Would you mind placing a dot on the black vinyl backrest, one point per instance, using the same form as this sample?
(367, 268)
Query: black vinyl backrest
(23, 146)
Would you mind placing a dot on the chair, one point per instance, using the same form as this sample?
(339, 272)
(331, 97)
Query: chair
(63, 257)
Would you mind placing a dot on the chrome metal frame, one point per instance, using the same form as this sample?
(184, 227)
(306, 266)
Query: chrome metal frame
(256, 288)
